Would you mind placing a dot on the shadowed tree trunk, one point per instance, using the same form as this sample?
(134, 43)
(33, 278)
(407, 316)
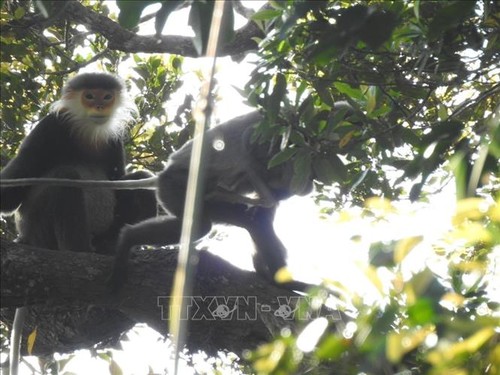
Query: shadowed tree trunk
(72, 308)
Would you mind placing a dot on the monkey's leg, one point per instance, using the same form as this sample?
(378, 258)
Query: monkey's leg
(258, 221)
(71, 221)
(56, 217)
(71, 225)
(132, 206)
(261, 187)
(270, 252)
(156, 231)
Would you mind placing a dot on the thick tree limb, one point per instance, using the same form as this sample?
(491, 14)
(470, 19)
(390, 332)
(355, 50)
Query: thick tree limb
(125, 40)
(231, 308)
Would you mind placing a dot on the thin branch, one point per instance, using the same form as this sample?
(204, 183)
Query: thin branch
(493, 90)
(78, 66)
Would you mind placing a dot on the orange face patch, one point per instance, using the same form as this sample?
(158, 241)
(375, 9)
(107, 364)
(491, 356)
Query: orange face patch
(98, 102)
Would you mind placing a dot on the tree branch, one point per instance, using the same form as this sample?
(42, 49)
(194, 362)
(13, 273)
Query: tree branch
(125, 40)
(72, 308)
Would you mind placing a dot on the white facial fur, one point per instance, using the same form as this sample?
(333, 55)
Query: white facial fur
(95, 131)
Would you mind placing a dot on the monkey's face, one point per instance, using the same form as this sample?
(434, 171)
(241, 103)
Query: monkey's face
(98, 104)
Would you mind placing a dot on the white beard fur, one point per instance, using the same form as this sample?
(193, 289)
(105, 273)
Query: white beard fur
(92, 132)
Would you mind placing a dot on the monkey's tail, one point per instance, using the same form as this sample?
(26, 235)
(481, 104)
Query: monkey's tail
(146, 183)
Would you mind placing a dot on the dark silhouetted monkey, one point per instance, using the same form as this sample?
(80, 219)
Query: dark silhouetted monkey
(81, 138)
(240, 190)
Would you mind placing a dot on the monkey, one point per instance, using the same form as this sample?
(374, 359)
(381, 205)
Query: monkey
(81, 138)
(240, 190)
(236, 168)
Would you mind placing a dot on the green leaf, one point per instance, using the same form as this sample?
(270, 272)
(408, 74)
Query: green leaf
(415, 191)
(276, 97)
(404, 247)
(301, 179)
(450, 16)
(442, 112)
(371, 99)
(226, 34)
(200, 19)
(19, 13)
(464, 348)
(176, 63)
(331, 348)
(422, 312)
(339, 113)
(306, 109)
(42, 7)
(377, 28)
(381, 254)
(459, 166)
(130, 12)
(297, 138)
(329, 170)
(345, 88)
(416, 9)
(300, 90)
(282, 157)
(167, 7)
(323, 90)
(266, 14)
(400, 343)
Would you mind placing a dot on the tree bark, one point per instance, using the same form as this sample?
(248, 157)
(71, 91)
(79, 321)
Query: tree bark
(72, 307)
(127, 41)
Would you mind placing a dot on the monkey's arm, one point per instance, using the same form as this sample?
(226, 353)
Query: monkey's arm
(241, 188)
(116, 160)
(261, 188)
(32, 160)
(250, 182)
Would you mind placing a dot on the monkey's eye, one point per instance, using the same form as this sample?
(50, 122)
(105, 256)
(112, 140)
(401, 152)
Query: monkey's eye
(108, 97)
(89, 96)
